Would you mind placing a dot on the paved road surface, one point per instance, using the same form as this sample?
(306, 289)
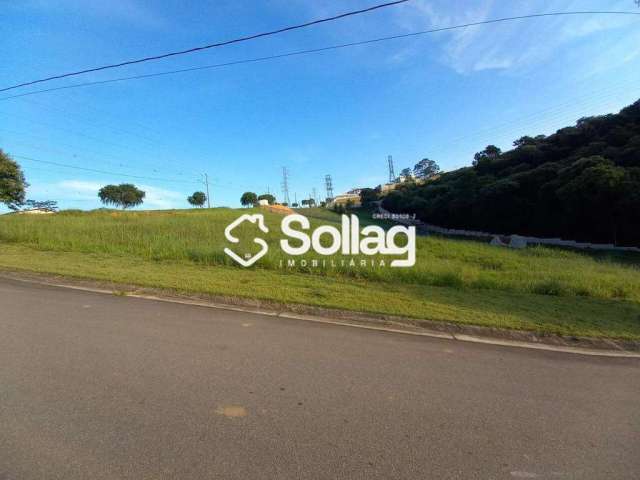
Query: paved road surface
(103, 387)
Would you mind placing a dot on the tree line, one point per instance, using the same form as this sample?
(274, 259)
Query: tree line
(251, 199)
(580, 183)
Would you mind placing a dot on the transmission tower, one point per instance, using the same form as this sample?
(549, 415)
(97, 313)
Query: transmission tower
(392, 175)
(285, 185)
(205, 181)
(328, 185)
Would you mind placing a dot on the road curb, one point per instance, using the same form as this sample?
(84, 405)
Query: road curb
(341, 318)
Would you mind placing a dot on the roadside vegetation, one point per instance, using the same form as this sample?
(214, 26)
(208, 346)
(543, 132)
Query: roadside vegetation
(580, 183)
(543, 289)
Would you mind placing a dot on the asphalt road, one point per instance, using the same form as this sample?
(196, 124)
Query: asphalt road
(103, 387)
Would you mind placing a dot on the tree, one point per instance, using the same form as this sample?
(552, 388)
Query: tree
(197, 199)
(304, 202)
(426, 168)
(525, 140)
(368, 196)
(491, 152)
(124, 195)
(12, 183)
(295, 205)
(596, 192)
(483, 160)
(248, 199)
(580, 183)
(268, 197)
(338, 208)
(406, 173)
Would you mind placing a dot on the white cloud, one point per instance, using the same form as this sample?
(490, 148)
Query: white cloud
(514, 46)
(81, 187)
(161, 198)
(489, 63)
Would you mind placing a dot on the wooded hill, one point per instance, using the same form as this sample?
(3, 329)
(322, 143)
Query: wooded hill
(581, 183)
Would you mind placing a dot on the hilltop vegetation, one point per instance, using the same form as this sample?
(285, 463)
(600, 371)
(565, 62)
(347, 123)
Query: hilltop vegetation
(538, 288)
(12, 182)
(581, 183)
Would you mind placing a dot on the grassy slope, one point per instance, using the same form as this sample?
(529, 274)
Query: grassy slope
(535, 289)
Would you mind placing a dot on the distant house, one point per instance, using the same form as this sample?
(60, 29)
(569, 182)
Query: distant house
(345, 199)
(387, 187)
(391, 186)
(406, 178)
(263, 202)
(35, 211)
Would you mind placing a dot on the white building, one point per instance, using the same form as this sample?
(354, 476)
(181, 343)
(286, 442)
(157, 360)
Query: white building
(35, 211)
(348, 198)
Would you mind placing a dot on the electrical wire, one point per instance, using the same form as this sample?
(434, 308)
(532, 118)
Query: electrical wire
(206, 47)
(104, 172)
(317, 50)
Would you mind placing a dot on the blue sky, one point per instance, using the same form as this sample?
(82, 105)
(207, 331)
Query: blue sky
(442, 96)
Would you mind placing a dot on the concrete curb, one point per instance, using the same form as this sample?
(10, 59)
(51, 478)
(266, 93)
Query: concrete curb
(340, 318)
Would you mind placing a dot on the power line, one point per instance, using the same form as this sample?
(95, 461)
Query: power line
(113, 174)
(552, 113)
(213, 45)
(508, 124)
(317, 50)
(69, 130)
(150, 142)
(227, 185)
(84, 121)
(72, 99)
(104, 172)
(90, 158)
(88, 154)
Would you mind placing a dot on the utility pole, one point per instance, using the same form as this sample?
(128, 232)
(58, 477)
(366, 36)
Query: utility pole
(328, 185)
(392, 175)
(205, 180)
(314, 196)
(285, 185)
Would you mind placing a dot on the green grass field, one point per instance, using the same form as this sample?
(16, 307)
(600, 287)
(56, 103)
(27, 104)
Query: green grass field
(541, 289)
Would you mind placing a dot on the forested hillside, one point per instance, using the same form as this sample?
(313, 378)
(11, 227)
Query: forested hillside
(581, 183)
